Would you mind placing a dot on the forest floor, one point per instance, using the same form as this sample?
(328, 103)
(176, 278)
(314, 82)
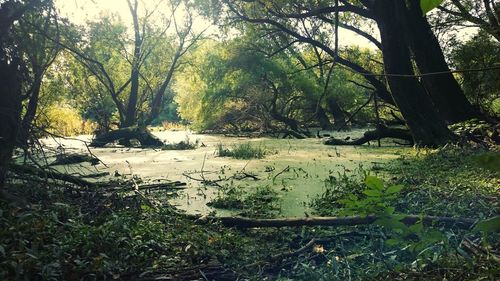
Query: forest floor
(84, 235)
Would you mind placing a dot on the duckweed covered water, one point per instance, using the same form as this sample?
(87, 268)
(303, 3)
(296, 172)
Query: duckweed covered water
(295, 169)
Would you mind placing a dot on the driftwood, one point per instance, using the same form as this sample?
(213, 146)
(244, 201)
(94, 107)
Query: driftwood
(379, 133)
(125, 135)
(463, 223)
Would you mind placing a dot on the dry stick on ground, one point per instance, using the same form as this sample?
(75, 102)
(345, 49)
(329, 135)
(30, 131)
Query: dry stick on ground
(463, 223)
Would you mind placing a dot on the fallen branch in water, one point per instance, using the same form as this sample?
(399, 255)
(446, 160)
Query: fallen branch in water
(379, 133)
(463, 223)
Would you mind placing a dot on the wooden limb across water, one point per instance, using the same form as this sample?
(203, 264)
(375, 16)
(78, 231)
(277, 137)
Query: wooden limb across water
(463, 223)
(379, 133)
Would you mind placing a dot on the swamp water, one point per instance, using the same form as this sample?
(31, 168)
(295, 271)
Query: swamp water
(309, 164)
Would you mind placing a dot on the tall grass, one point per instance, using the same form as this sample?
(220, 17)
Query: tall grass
(241, 151)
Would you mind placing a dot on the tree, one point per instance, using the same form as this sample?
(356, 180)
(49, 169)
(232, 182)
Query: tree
(426, 124)
(137, 95)
(484, 14)
(482, 88)
(13, 73)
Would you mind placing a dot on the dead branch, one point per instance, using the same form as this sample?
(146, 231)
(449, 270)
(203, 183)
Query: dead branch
(463, 223)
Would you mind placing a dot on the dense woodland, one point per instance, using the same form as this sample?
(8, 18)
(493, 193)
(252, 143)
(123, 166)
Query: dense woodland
(266, 78)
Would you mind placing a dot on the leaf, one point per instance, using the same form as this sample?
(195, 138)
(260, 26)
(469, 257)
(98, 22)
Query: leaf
(394, 189)
(392, 242)
(372, 193)
(428, 5)
(374, 183)
(489, 225)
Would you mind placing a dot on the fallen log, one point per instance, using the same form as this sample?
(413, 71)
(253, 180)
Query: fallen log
(379, 133)
(241, 222)
(124, 135)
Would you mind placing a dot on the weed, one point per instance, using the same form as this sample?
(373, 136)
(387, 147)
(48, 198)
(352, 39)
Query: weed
(182, 145)
(241, 151)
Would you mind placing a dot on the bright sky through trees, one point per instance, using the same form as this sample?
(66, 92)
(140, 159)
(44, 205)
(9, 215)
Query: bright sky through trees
(79, 11)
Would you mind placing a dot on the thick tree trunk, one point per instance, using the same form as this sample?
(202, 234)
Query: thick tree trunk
(338, 115)
(444, 89)
(130, 114)
(424, 122)
(124, 135)
(321, 117)
(10, 111)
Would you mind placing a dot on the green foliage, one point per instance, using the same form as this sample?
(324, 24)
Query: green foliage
(64, 121)
(241, 151)
(489, 225)
(428, 5)
(483, 87)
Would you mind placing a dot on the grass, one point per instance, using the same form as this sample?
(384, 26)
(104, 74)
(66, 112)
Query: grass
(446, 182)
(243, 151)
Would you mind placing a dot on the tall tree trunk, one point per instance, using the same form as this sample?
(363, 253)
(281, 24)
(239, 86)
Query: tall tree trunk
(444, 89)
(10, 110)
(424, 122)
(339, 117)
(29, 116)
(320, 116)
(130, 114)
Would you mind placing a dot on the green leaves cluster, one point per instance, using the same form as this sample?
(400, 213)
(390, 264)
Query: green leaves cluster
(375, 200)
(428, 5)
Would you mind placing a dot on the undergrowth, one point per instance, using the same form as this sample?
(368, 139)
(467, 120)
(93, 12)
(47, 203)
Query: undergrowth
(58, 237)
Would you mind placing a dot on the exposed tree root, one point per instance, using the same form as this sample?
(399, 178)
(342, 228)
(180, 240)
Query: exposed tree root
(463, 223)
(125, 135)
(379, 133)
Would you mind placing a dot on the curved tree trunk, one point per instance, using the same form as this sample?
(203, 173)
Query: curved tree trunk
(444, 89)
(424, 122)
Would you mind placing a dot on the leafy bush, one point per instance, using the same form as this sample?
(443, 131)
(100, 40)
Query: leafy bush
(65, 121)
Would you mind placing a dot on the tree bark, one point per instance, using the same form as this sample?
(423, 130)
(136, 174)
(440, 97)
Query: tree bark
(444, 89)
(130, 114)
(10, 109)
(424, 122)
(338, 115)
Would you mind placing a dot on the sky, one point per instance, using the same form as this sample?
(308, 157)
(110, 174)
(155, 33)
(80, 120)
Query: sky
(79, 11)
